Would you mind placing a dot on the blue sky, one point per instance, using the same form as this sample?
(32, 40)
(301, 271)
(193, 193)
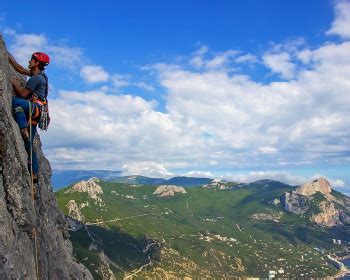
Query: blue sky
(241, 90)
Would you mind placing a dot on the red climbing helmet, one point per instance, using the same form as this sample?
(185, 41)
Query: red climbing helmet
(42, 57)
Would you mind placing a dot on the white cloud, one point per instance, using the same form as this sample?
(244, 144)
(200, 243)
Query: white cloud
(335, 183)
(340, 25)
(144, 85)
(220, 59)
(213, 116)
(280, 63)
(148, 168)
(202, 50)
(254, 176)
(267, 150)
(199, 174)
(120, 81)
(197, 59)
(201, 58)
(247, 58)
(94, 74)
(282, 176)
(109, 128)
(23, 45)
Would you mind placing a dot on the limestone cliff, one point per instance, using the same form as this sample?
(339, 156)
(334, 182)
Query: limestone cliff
(18, 215)
(168, 190)
(319, 185)
(315, 200)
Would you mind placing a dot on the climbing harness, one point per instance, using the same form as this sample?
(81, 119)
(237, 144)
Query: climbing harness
(33, 191)
(41, 116)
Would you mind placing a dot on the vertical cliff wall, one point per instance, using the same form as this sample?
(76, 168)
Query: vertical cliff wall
(18, 215)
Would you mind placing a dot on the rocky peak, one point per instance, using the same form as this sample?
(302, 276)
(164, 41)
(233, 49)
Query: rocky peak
(217, 184)
(319, 185)
(18, 214)
(168, 190)
(324, 209)
(91, 187)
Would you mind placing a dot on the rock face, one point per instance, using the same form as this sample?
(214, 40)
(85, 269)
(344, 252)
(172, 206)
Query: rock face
(74, 211)
(217, 184)
(294, 202)
(18, 214)
(315, 199)
(275, 217)
(168, 190)
(91, 187)
(319, 185)
(328, 216)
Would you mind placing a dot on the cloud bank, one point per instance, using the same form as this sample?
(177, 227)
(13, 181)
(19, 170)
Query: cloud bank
(217, 115)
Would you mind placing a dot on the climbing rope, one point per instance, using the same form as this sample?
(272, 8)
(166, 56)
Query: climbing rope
(33, 190)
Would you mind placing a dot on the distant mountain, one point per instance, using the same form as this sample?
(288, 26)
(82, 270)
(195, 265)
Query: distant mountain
(218, 230)
(178, 181)
(139, 180)
(63, 178)
(187, 181)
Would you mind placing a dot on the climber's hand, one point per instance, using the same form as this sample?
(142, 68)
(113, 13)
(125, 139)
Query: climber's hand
(14, 81)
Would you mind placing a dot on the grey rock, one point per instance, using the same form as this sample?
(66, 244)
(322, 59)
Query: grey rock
(168, 190)
(18, 214)
(294, 202)
(331, 211)
(318, 185)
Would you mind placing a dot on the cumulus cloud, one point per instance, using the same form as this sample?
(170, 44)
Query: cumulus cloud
(23, 45)
(198, 59)
(280, 63)
(247, 58)
(199, 174)
(201, 58)
(282, 176)
(214, 116)
(340, 25)
(267, 150)
(254, 176)
(94, 74)
(152, 169)
(120, 81)
(144, 86)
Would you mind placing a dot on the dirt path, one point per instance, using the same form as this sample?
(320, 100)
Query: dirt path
(116, 219)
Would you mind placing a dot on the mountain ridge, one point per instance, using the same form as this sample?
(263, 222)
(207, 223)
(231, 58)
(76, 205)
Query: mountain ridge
(214, 230)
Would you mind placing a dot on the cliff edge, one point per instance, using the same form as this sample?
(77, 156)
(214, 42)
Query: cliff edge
(317, 200)
(18, 215)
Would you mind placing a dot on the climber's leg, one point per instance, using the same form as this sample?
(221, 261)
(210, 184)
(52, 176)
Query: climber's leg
(20, 108)
(21, 112)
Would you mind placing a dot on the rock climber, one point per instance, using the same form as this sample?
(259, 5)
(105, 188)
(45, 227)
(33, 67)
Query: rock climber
(31, 98)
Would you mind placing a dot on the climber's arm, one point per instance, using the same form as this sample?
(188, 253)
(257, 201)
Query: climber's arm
(19, 68)
(22, 92)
